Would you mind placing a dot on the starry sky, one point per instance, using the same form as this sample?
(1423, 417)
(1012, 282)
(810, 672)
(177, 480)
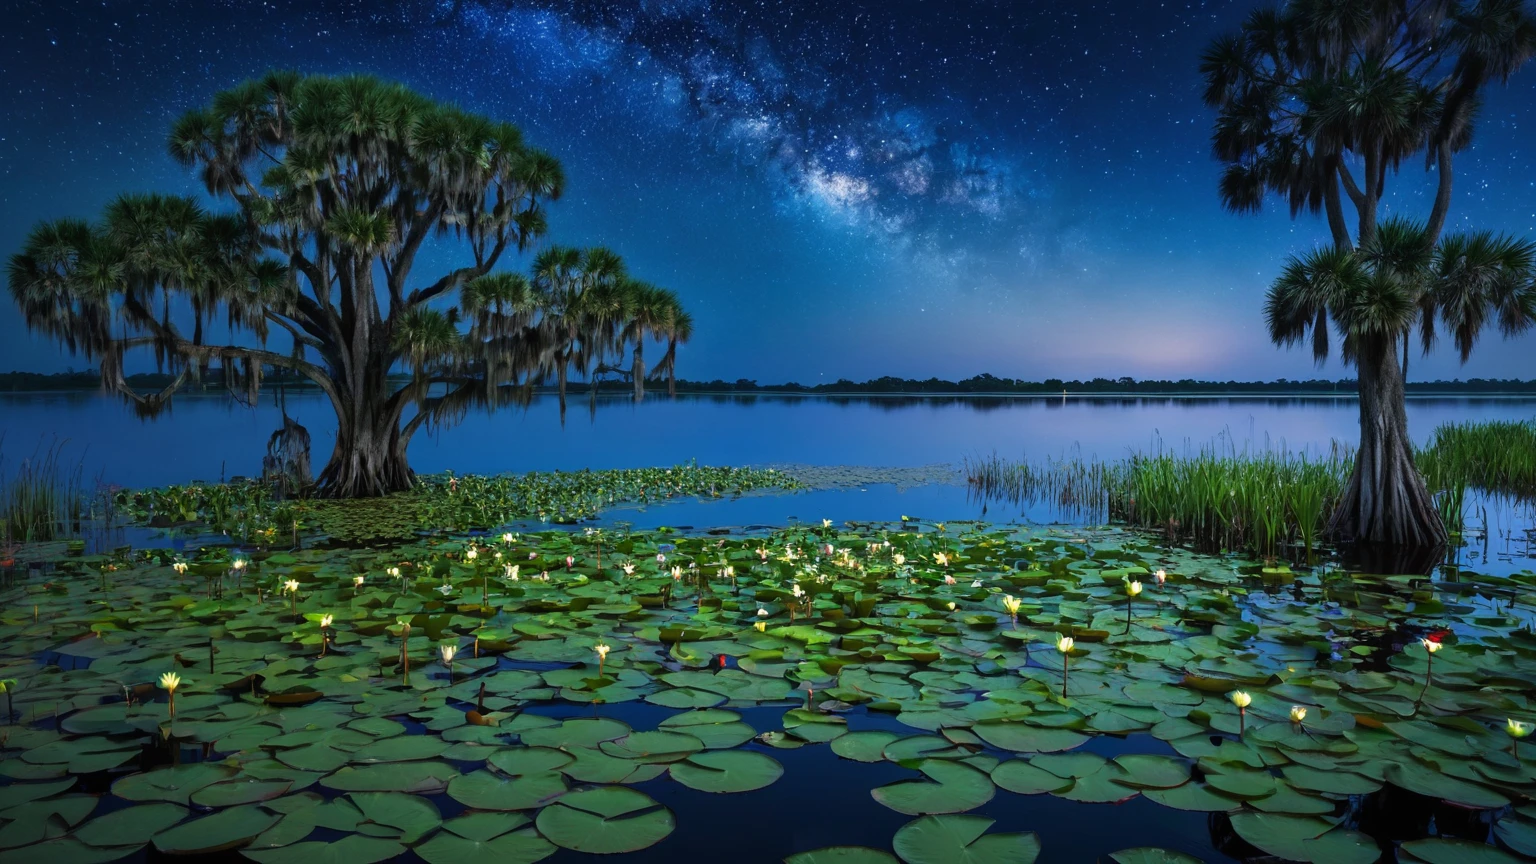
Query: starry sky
(848, 189)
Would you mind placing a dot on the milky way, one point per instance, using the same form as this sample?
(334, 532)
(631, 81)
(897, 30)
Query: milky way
(836, 189)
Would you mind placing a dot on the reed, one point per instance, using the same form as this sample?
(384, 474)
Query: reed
(1267, 501)
(44, 499)
(1498, 457)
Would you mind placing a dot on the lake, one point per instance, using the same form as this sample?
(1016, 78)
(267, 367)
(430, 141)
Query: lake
(209, 437)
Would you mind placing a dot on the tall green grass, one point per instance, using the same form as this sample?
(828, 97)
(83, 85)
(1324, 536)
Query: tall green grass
(1497, 457)
(42, 499)
(1268, 501)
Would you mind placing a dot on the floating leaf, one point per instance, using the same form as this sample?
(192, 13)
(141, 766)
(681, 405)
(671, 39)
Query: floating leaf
(605, 820)
(727, 771)
(962, 840)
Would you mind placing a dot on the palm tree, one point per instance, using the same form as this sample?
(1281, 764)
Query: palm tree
(677, 329)
(649, 310)
(1321, 102)
(1373, 296)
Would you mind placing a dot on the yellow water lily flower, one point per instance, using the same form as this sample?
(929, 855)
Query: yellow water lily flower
(1241, 699)
(1298, 713)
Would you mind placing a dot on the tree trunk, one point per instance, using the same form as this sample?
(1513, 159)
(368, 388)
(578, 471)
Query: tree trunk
(1385, 500)
(638, 372)
(562, 376)
(369, 459)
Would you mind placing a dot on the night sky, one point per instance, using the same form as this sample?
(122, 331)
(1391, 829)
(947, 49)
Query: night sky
(836, 189)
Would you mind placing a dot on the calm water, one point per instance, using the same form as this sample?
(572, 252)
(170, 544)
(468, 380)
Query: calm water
(206, 437)
(209, 437)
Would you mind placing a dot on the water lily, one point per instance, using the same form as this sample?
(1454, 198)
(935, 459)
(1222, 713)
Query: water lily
(660, 558)
(1431, 645)
(942, 558)
(180, 567)
(292, 587)
(677, 573)
(1011, 605)
(898, 559)
(570, 561)
(1516, 730)
(1161, 576)
(948, 579)
(602, 655)
(1064, 645)
(325, 640)
(976, 584)
(826, 523)
(447, 650)
(169, 682)
(1132, 589)
(628, 568)
(509, 572)
(8, 687)
(405, 650)
(761, 626)
(1298, 714)
(238, 564)
(951, 606)
(357, 583)
(761, 612)
(1242, 700)
(507, 538)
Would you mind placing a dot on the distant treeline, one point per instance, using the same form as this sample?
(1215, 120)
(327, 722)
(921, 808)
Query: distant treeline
(979, 385)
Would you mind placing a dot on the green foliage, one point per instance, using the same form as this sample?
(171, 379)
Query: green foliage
(445, 502)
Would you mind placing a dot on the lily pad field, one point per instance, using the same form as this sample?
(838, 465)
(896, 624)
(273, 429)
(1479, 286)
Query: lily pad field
(827, 693)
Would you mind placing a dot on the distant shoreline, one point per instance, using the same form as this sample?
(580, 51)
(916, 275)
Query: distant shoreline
(979, 387)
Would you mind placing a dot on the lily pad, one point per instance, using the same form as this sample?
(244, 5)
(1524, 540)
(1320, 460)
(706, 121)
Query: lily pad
(605, 820)
(727, 771)
(962, 840)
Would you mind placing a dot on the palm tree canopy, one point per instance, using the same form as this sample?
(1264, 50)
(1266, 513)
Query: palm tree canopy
(1398, 281)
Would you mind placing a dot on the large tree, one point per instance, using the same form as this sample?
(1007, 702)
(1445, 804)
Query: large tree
(1321, 102)
(337, 185)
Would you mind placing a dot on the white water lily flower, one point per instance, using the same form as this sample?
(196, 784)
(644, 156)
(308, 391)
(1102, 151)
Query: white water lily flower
(357, 581)
(1298, 713)
(447, 650)
(170, 681)
(1064, 644)
(291, 586)
(445, 589)
(976, 584)
(898, 559)
(1516, 729)
(628, 568)
(948, 579)
(1133, 587)
(1241, 698)
(660, 558)
(826, 523)
(471, 554)
(325, 621)
(507, 538)
(180, 567)
(761, 612)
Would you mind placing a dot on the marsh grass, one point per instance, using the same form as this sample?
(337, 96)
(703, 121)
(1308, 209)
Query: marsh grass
(1269, 501)
(43, 498)
(1498, 457)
